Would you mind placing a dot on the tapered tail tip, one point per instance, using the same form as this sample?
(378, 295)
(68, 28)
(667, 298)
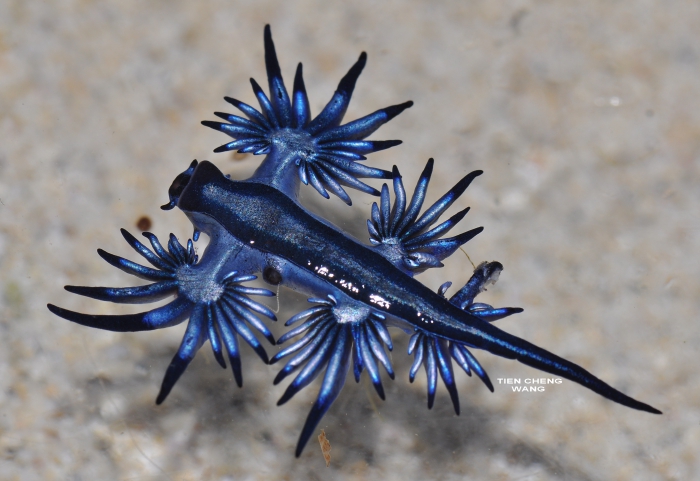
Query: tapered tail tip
(646, 408)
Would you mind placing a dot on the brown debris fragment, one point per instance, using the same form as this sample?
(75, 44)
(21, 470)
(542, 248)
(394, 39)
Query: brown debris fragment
(325, 447)
(144, 223)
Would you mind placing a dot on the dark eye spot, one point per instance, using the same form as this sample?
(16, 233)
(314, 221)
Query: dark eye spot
(272, 275)
(144, 223)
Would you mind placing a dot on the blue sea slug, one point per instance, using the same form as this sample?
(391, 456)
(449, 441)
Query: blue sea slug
(357, 291)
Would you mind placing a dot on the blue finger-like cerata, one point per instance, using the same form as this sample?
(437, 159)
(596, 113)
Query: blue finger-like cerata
(357, 292)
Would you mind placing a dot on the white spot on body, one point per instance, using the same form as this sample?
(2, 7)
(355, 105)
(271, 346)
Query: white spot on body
(380, 301)
(348, 286)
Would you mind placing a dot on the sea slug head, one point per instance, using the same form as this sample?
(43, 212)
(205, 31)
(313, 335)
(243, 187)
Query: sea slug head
(179, 185)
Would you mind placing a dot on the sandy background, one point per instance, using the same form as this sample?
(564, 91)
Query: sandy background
(586, 120)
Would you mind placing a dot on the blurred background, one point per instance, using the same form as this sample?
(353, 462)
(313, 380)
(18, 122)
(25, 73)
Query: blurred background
(585, 119)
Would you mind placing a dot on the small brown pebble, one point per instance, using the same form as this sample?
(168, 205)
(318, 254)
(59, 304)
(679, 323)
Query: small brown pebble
(325, 447)
(144, 223)
(237, 156)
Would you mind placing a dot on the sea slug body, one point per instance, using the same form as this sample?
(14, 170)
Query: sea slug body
(357, 292)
